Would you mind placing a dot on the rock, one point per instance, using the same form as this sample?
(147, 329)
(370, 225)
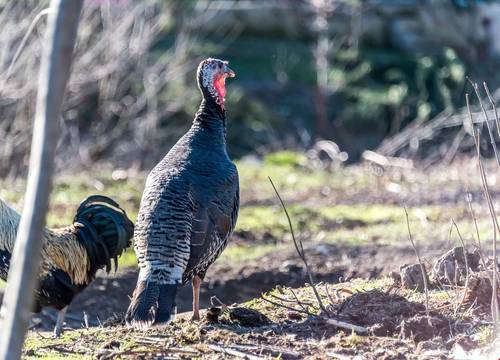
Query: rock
(450, 269)
(411, 277)
(479, 291)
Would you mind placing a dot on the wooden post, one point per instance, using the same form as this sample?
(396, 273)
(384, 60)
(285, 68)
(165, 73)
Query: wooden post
(55, 66)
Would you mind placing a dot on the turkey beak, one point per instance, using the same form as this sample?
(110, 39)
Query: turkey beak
(228, 72)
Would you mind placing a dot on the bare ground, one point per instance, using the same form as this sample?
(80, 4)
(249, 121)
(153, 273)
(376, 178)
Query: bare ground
(240, 282)
(395, 316)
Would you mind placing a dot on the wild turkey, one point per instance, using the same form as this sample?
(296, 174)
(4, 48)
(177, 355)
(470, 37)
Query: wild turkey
(188, 209)
(71, 256)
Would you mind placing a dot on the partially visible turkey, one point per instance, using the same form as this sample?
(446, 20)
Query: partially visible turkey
(188, 209)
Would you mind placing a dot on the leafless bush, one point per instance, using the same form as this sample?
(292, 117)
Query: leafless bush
(125, 84)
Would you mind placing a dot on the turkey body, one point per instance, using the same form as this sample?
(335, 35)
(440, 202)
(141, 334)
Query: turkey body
(188, 211)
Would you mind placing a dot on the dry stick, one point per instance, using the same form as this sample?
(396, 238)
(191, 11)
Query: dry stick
(301, 304)
(488, 125)
(422, 267)
(466, 267)
(484, 181)
(328, 294)
(307, 312)
(481, 253)
(497, 122)
(274, 350)
(295, 301)
(300, 249)
(343, 324)
(54, 73)
(25, 39)
(233, 352)
(337, 323)
(493, 105)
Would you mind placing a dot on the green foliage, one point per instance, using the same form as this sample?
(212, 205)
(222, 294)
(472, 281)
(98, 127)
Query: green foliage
(286, 158)
(384, 88)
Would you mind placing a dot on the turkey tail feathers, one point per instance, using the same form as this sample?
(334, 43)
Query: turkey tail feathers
(152, 304)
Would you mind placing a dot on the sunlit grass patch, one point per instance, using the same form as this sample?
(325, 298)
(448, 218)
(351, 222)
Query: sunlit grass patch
(127, 259)
(38, 347)
(236, 253)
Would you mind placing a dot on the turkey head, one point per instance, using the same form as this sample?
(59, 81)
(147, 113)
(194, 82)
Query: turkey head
(212, 74)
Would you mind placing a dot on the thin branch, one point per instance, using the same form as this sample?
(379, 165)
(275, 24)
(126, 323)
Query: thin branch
(466, 267)
(301, 304)
(493, 105)
(494, 299)
(486, 120)
(233, 352)
(300, 249)
(422, 267)
(24, 40)
(480, 248)
(295, 301)
(307, 312)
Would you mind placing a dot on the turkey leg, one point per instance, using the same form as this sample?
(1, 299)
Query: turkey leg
(196, 297)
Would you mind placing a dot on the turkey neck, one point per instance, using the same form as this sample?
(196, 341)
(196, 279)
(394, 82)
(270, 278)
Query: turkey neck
(210, 123)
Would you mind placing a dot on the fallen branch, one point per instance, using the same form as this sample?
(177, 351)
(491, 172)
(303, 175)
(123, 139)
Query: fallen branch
(233, 352)
(345, 325)
(337, 323)
(275, 351)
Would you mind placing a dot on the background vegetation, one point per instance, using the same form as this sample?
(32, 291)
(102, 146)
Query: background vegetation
(350, 71)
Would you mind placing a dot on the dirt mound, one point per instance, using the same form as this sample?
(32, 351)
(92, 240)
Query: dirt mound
(479, 291)
(421, 328)
(381, 312)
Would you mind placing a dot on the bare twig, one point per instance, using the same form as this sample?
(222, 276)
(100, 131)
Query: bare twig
(486, 120)
(301, 304)
(493, 105)
(344, 325)
(480, 248)
(233, 352)
(276, 351)
(300, 250)
(328, 294)
(307, 312)
(422, 267)
(494, 299)
(21, 46)
(466, 286)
